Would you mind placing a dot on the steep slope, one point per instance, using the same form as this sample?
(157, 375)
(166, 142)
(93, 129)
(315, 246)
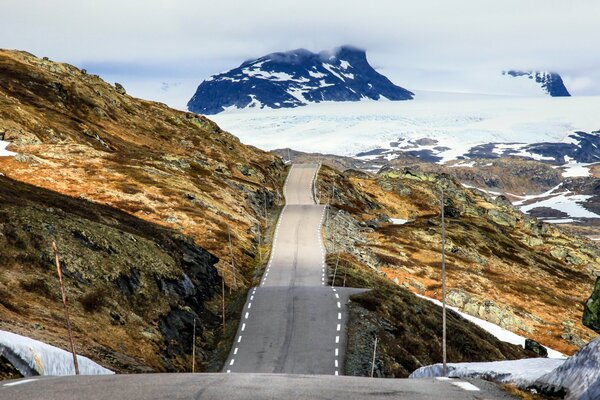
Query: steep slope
(550, 82)
(78, 136)
(503, 266)
(295, 78)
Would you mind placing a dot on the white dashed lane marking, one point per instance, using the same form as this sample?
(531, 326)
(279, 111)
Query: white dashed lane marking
(466, 386)
(20, 382)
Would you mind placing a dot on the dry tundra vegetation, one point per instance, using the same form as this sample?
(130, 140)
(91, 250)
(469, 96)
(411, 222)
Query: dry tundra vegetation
(503, 266)
(142, 200)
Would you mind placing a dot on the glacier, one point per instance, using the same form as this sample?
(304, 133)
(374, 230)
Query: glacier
(457, 121)
(32, 357)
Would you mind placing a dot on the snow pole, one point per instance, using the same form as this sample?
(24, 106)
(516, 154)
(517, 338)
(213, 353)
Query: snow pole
(223, 298)
(194, 347)
(445, 365)
(66, 308)
(374, 354)
(335, 270)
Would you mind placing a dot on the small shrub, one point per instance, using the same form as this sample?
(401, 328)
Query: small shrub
(93, 300)
(37, 285)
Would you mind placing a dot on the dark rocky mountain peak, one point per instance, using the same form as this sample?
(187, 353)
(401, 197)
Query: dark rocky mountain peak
(296, 78)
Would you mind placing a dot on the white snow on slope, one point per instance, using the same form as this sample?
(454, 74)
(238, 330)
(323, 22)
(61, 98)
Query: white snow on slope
(3, 151)
(565, 202)
(576, 170)
(457, 121)
(521, 373)
(495, 330)
(580, 374)
(29, 355)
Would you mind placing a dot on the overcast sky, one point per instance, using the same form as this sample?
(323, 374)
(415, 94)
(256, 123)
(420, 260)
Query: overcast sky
(164, 49)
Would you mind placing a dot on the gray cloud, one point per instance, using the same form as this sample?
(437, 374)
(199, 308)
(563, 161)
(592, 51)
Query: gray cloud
(419, 43)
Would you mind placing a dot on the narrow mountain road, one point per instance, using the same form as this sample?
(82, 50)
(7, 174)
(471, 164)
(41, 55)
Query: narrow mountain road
(293, 323)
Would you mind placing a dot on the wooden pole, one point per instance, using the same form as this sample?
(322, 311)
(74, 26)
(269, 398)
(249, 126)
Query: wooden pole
(194, 347)
(265, 207)
(66, 308)
(337, 261)
(232, 265)
(260, 242)
(445, 366)
(374, 353)
(223, 299)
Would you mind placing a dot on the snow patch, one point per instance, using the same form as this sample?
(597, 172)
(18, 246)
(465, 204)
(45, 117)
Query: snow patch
(518, 372)
(580, 374)
(398, 221)
(32, 357)
(3, 151)
(495, 330)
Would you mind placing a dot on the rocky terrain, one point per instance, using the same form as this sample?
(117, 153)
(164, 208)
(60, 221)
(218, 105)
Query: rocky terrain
(150, 207)
(503, 266)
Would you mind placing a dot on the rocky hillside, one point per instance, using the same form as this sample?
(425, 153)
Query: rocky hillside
(183, 186)
(295, 78)
(503, 266)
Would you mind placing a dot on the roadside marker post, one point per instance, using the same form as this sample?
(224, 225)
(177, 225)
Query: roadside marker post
(445, 365)
(66, 308)
(374, 354)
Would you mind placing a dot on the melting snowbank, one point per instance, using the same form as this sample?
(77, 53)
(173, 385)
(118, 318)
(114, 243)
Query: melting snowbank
(497, 331)
(32, 357)
(518, 372)
(580, 374)
(3, 151)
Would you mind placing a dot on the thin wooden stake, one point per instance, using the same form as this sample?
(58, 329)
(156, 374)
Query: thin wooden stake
(374, 353)
(335, 270)
(66, 308)
(260, 242)
(194, 348)
(223, 299)
(265, 207)
(232, 265)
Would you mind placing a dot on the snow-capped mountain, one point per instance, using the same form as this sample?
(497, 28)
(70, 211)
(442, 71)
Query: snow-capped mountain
(293, 79)
(550, 82)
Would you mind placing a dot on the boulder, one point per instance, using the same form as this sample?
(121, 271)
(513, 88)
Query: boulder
(591, 309)
(535, 347)
(120, 89)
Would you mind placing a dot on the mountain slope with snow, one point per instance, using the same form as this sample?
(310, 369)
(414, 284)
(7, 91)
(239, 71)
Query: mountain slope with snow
(550, 82)
(293, 79)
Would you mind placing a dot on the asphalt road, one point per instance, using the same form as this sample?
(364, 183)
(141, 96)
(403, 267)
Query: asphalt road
(242, 386)
(293, 322)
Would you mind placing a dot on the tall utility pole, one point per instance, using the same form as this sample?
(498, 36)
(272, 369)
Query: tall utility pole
(64, 299)
(445, 366)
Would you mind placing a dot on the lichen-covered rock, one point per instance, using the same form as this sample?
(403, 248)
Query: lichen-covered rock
(591, 309)
(537, 348)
